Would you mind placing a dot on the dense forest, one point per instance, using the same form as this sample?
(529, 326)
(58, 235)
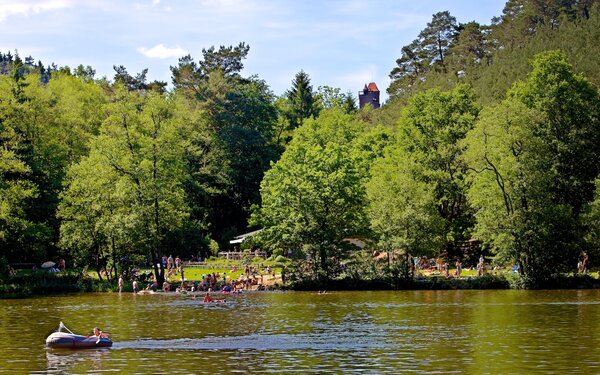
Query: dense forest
(490, 142)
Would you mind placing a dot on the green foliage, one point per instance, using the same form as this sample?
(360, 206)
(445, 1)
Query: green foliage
(127, 195)
(134, 83)
(127, 171)
(45, 283)
(362, 271)
(233, 144)
(44, 129)
(522, 19)
(226, 59)
(426, 53)
(439, 35)
(332, 97)
(592, 221)
(492, 57)
(402, 207)
(417, 194)
(575, 39)
(312, 198)
(516, 281)
(302, 100)
(470, 49)
(214, 247)
(536, 156)
(15, 188)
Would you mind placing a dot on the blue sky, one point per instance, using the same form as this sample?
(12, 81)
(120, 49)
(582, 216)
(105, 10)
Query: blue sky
(344, 43)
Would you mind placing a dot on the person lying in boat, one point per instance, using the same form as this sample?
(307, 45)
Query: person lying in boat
(99, 333)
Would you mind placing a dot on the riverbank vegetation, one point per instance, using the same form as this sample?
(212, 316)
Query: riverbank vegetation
(489, 144)
(264, 274)
(39, 283)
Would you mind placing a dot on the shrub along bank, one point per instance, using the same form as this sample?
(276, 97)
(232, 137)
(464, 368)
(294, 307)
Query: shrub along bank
(45, 283)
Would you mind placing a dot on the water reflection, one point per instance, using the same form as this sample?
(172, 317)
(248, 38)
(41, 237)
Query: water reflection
(66, 361)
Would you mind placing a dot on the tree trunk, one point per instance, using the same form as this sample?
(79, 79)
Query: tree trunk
(323, 256)
(98, 268)
(159, 272)
(114, 256)
(160, 276)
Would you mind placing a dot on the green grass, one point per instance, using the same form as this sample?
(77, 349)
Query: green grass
(196, 274)
(218, 266)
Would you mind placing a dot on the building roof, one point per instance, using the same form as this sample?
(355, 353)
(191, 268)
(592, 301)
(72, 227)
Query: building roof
(242, 237)
(373, 87)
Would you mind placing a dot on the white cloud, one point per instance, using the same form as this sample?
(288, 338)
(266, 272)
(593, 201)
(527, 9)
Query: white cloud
(155, 2)
(160, 51)
(24, 8)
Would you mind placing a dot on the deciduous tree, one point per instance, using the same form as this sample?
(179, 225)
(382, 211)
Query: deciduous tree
(536, 156)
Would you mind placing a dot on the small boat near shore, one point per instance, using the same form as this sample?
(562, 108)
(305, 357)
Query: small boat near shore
(69, 340)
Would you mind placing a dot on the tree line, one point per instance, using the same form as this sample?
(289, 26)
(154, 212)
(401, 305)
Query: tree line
(113, 171)
(518, 177)
(491, 57)
(488, 138)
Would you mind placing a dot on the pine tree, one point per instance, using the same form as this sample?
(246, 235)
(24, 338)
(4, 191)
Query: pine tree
(301, 100)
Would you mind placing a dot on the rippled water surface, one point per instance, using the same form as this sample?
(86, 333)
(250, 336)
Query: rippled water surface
(286, 332)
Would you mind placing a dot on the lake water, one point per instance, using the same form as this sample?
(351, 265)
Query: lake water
(296, 332)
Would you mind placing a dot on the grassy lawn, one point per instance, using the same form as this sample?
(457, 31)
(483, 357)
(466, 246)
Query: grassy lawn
(232, 269)
(466, 272)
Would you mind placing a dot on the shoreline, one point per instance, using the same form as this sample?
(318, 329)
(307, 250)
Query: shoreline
(486, 282)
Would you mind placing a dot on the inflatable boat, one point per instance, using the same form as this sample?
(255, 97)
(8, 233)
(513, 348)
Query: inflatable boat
(69, 340)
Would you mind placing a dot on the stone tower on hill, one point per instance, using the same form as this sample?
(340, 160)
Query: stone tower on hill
(369, 95)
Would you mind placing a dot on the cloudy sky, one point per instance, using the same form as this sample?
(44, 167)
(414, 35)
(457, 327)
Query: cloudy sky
(344, 43)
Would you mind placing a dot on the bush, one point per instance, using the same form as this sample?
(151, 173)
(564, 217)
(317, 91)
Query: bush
(517, 281)
(576, 281)
(43, 283)
(213, 246)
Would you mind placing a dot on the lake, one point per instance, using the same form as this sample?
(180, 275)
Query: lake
(504, 331)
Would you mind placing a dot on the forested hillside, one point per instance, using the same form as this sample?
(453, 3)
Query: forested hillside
(490, 143)
(491, 138)
(492, 57)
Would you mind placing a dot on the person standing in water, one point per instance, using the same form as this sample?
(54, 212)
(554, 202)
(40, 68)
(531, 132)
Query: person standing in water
(120, 283)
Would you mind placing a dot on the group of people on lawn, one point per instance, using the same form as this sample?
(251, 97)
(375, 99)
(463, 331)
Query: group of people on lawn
(440, 266)
(212, 281)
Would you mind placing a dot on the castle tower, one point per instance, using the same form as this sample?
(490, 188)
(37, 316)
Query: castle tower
(369, 95)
